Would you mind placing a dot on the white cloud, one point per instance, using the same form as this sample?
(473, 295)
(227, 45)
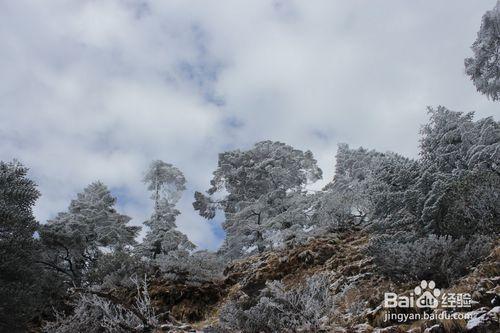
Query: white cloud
(96, 89)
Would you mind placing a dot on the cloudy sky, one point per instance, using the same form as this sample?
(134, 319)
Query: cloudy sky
(94, 90)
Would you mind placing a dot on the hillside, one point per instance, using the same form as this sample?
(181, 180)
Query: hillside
(357, 287)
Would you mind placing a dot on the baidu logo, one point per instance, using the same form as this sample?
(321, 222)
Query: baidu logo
(426, 295)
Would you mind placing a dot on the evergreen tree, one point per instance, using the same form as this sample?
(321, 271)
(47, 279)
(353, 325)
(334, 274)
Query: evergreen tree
(75, 240)
(19, 288)
(448, 199)
(256, 185)
(163, 244)
(484, 67)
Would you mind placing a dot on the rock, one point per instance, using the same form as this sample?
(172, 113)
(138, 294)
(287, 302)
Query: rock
(362, 328)
(438, 328)
(166, 327)
(185, 327)
(476, 313)
(488, 322)
(283, 259)
(477, 296)
(487, 291)
(390, 329)
(171, 328)
(485, 283)
(414, 330)
(338, 330)
(307, 256)
(475, 304)
(496, 300)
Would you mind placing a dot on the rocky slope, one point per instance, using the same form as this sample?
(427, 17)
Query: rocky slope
(358, 288)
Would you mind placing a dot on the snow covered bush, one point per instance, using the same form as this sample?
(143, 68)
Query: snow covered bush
(205, 266)
(432, 257)
(96, 312)
(113, 270)
(280, 310)
(194, 268)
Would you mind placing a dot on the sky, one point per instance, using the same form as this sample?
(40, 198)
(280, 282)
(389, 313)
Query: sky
(95, 90)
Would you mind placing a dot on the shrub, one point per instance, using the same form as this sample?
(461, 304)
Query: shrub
(281, 310)
(438, 258)
(194, 268)
(96, 312)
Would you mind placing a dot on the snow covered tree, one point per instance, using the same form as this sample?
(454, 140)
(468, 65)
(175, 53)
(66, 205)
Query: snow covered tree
(163, 244)
(446, 139)
(456, 153)
(485, 153)
(75, 240)
(166, 183)
(484, 67)
(19, 290)
(446, 203)
(295, 222)
(368, 185)
(435, 194)
(253, 186)
(355, 170)
(453, 141)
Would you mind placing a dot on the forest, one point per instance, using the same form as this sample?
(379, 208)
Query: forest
(430, 218)
(286, 262)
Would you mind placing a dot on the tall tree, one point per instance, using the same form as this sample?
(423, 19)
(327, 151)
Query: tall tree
(19, 290)
(484, 67)
(437, 193)
(460, 184)
(252, 187)
(372, 185)
(163, 243)
(75, 240)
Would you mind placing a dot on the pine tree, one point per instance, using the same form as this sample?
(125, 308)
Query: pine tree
(75, 240)
(163, 244)
(19, 291)
(484, 67)
(257, 186)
